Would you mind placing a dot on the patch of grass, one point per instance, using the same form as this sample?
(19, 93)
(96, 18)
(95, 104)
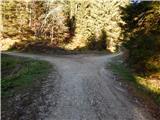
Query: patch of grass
(142, 84)
(122, 71)
(19, 74)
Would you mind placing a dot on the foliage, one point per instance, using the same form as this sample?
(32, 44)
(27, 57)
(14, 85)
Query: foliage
(142, 33)
(145, 86)
(34, 21)
(59, 22)
(14, 18)
(93, 16)
(143, 49)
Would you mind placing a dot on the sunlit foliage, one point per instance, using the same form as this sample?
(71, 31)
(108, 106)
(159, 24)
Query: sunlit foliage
(93, 16)
(34, 21)
(57, 22)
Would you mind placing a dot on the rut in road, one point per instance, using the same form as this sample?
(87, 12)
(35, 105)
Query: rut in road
(88, 91)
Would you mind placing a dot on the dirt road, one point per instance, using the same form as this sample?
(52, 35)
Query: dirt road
(85, 90)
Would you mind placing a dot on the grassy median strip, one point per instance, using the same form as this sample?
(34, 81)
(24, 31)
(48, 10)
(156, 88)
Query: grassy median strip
(20, 73)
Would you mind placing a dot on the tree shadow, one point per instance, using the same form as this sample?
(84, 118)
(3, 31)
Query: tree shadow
(141, 34)
(99, 43)
(71, 23)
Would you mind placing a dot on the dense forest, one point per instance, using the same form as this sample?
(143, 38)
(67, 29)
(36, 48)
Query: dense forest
(69, 24)
(85, 25)
(142, 36)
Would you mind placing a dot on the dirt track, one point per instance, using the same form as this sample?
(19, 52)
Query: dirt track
(85, 90)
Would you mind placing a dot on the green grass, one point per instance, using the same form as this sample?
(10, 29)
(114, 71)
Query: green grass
(141, 84)
(122, 71)
(19, 74)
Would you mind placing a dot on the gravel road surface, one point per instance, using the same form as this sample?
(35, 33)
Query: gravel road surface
(86, 90)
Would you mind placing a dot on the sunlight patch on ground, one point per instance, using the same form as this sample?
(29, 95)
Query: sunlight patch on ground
(151, 84)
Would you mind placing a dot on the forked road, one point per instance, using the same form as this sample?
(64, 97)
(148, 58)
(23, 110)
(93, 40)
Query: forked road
(88, 91)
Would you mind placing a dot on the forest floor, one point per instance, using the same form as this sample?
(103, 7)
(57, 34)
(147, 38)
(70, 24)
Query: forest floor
(84, 89)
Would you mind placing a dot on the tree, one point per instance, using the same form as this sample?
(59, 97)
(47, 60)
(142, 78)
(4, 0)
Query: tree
(142, 33)
(93, 16)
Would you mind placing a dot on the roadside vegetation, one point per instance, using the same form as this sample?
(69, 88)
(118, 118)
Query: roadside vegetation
(141, 58)
(142, 46)
(142, 37)
(145, 89)
(21, 83)
(20, 73)
(147, 85)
